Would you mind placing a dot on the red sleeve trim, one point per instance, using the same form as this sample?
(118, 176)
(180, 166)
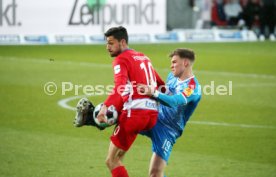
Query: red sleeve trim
(190, 89)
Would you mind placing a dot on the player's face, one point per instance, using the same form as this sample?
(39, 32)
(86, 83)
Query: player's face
(113, 46)
(177, 66)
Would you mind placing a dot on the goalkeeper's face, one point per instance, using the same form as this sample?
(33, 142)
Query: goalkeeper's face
(114, 46)
(177, 66)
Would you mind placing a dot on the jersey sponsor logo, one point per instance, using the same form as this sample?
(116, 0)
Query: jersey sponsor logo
(117, 69)
(188, 91)
(152, 105)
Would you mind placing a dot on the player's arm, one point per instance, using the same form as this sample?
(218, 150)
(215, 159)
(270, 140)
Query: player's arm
(170, 100)
(115, 97)
(167, 100)
(161, 86)
(120, 82)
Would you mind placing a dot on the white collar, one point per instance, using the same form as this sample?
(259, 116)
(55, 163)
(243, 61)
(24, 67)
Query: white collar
(181, 81)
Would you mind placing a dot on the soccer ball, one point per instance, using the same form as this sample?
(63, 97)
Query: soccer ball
(111, 115)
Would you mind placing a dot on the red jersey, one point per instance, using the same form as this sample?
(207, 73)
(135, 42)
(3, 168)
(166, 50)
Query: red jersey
(132, 68)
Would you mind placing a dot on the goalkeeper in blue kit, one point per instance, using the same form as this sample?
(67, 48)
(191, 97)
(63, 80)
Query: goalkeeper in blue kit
(183, 96)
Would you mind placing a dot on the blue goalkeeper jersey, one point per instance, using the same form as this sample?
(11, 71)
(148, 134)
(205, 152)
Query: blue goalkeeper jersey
(178, 104)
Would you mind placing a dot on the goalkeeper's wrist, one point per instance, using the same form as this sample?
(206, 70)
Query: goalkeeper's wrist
(155, 94)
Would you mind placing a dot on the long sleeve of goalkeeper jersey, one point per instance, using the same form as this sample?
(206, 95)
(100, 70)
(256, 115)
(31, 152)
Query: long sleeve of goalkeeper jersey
(172, 100)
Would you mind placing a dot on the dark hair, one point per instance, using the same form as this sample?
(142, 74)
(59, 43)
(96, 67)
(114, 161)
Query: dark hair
(184, 53)
(118, 33)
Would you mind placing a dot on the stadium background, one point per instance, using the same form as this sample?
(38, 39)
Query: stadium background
(229, 135)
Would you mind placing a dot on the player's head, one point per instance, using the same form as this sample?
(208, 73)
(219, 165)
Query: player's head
(117, 40)
(181, 61)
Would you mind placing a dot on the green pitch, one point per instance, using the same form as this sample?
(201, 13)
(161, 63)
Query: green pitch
(229, 135)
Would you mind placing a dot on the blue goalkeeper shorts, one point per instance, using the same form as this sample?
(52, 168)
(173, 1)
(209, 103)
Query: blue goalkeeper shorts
(162, 140)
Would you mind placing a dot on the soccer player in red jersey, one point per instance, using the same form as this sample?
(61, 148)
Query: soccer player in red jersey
(138, 112)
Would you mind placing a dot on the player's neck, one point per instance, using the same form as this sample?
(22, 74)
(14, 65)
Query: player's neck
(124, 48)
(186, 74)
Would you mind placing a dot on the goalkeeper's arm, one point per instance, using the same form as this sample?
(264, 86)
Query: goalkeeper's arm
(170, 100)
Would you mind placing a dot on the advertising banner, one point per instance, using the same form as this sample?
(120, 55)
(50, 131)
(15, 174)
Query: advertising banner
(69, 21)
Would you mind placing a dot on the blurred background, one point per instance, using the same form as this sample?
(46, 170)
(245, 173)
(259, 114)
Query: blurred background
(256, 15)
(148, 21)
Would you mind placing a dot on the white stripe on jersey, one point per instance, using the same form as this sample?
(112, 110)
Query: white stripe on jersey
(144, 103)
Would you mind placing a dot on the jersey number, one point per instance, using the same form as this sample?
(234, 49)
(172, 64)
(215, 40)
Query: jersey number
(166, 145)
(150, 77)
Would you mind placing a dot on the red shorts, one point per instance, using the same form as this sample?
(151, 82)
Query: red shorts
(128, 127)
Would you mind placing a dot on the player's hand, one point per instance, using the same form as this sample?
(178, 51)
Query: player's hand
(145, 89)
(101, 116)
